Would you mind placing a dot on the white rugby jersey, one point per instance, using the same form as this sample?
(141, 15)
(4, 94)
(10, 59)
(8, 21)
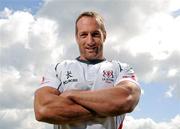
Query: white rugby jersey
(89, 75)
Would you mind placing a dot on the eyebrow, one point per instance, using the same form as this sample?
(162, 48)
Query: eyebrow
(96, 31)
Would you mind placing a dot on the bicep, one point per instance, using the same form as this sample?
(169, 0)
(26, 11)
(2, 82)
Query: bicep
(42, 98)
(51, 107)
(48, 104)
(132, 91)
(127, 80)
(131, 87)
(45, 94)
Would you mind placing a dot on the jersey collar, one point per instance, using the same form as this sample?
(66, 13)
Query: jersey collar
(96, 61)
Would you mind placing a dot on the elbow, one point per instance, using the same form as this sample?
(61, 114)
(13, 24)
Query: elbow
(132, 100)
(40, 111)
(127, 106)
(40, 114)
(38, 117)
(130, 104)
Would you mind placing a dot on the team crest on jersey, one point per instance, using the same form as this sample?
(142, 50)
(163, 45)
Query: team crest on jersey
(69, 77)
(108, 76)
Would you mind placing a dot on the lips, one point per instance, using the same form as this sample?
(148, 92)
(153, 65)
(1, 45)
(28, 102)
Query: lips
(90, 49)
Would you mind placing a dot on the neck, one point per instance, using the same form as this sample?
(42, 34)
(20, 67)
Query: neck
(86, 59)
(92, 61)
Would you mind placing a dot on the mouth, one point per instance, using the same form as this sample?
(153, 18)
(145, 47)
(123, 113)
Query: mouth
(91, 49)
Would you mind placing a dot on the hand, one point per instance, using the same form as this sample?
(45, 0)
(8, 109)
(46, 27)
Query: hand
(66, 94)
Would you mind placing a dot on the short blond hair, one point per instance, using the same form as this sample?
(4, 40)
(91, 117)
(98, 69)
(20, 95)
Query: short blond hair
(95, 15)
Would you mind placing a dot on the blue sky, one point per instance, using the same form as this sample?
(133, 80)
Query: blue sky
(35, 32)
(31, 5)
(154, 104)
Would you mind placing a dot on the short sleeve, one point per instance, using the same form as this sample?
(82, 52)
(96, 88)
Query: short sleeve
(126, 72)
(51, 77)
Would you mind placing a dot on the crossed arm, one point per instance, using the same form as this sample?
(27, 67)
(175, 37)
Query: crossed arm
(74, 106)
(51, 107)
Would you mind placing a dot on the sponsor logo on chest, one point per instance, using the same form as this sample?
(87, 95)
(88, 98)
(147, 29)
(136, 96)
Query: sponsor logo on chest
(69, 78)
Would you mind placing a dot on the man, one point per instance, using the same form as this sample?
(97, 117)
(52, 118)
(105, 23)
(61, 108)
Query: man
(89, 92)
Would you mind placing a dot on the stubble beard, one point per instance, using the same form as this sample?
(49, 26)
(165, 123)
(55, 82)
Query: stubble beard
(92, 56)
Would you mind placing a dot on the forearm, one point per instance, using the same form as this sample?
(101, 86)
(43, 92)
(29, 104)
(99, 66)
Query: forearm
(110, 101)
(102, 102)
(52, 108)
(67, 114)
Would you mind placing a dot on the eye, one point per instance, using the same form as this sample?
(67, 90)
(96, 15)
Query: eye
(83, 35)
(96, 34)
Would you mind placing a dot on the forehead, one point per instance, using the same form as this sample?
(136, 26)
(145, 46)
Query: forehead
(87, 23)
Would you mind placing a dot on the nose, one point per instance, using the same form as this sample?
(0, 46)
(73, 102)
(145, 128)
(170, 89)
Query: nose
(90, 39)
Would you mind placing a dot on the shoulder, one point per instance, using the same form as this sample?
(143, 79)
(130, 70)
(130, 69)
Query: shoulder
(65, 63)
(126, 71)
(117, 63)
